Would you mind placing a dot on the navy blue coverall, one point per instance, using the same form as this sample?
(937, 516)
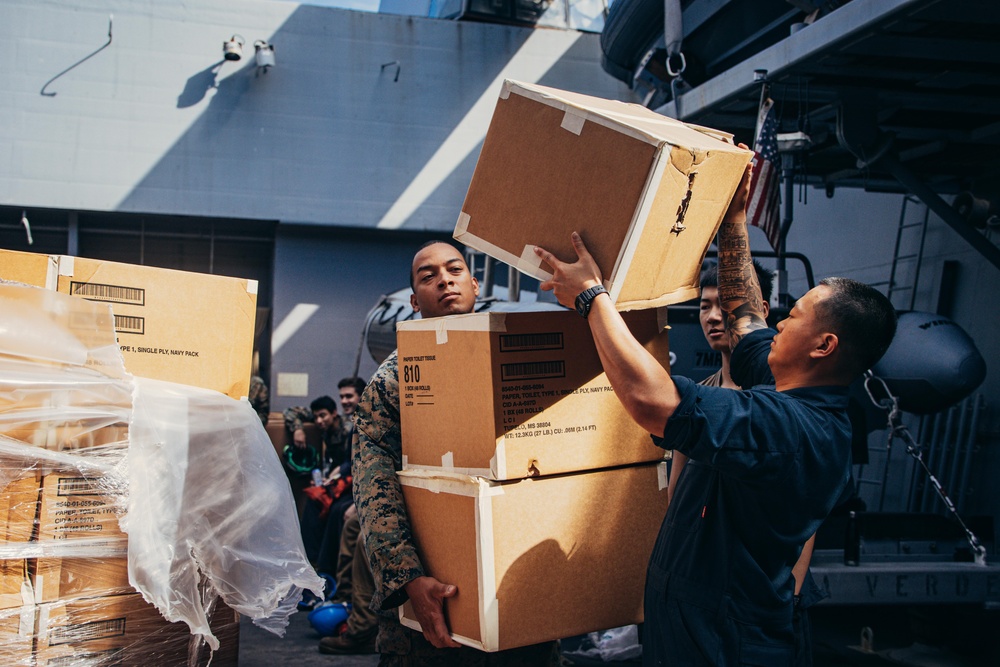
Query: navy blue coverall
(765, 469)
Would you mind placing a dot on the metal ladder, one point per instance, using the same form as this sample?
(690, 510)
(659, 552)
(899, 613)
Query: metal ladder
(913, 258)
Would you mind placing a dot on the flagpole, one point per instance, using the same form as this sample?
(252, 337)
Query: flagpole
(781, 275)
(787, 159)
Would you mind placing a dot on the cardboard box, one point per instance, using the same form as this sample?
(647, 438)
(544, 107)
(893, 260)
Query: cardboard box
(14, 587)
(17, 633)
(54, 579)
(512, 395)
(18, 509)
(18, 505)
(126, 630)
(77, 507)
(178, 326)
(646, 192)
(537, 559)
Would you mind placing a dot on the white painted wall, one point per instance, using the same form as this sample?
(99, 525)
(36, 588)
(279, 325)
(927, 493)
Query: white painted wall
(157, 122)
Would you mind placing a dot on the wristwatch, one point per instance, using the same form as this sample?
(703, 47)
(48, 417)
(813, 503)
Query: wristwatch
(586, 297)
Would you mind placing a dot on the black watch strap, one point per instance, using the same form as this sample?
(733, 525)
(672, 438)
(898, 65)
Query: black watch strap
(586, 298)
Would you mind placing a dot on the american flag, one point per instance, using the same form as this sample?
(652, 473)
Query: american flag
(764, 205)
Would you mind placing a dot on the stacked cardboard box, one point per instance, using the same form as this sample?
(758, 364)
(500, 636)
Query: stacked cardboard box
(178, 326)
(527, 484)
(63, 517)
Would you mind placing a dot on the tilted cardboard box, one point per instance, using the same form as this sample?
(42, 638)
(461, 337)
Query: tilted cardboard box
(537, 559)
(646, 192)
(512, 395)
(178, 326)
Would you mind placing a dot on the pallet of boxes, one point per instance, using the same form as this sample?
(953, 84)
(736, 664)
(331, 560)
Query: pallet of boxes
(65, 406)
(527, 484)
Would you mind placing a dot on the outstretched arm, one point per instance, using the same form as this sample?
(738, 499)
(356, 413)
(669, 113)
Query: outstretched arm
(640, 382)
(739, 290)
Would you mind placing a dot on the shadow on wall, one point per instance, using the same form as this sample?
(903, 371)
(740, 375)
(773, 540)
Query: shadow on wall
(198, 85)
(330, 136)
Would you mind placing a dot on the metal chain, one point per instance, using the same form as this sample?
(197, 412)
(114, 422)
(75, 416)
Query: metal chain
(899, 430)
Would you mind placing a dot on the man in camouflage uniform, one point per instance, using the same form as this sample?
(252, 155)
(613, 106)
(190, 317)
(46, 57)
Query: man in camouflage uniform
(442, 285)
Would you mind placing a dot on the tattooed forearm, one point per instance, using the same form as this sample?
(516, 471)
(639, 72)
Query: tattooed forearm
(739, 290)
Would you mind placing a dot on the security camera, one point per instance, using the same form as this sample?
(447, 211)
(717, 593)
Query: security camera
(264, 54)
(232, 49)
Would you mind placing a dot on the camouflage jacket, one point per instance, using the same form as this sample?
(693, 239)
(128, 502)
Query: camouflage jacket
(377, 455)
(259, 398)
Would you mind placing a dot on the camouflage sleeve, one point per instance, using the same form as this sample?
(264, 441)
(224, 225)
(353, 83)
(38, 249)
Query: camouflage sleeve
(295, 417)
(377, 455)
(259, 398)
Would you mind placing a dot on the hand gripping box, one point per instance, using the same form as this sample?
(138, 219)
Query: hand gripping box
(646, 192)
(512, 395)
(536, 559)
(178, 326)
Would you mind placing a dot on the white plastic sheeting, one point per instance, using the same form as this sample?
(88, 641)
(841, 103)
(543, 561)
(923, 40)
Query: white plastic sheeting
(203, 499)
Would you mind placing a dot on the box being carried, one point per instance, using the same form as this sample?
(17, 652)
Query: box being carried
(178, 326)
(536, 559)
(513, 395)
(646, 192)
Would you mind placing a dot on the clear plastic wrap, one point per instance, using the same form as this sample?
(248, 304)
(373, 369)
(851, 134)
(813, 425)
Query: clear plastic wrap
(214, 473)
(111, 484)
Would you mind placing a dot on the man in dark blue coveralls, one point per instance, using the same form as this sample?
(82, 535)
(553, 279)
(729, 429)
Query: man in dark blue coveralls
(766, 465)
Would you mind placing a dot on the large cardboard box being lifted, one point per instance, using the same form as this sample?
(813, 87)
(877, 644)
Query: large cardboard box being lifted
(536, 559)
(646, 192)
(178, 326)
(519, 394)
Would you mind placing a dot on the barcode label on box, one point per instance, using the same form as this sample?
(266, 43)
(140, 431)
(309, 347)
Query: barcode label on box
(76, 486)
(133, 296)
(532, 370)
(83, 632)
(130, 324)
(531, 341)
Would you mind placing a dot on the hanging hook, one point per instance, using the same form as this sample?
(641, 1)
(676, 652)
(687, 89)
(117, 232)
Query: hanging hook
(27, 227)
(396, 63)
(111, 20)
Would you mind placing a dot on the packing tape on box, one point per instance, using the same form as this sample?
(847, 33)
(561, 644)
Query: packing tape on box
(573, 120)
(489, 616)
(251, 286)
(493, 322)
(448, 461)
(27, 594)
(462, 225)
(67, 265)
(26, 624)
(662, 476)
(531, 263)
(439, 481)
(441, 332)
(498, 464)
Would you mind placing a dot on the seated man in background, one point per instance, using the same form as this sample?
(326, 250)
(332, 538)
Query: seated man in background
(331, 498)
